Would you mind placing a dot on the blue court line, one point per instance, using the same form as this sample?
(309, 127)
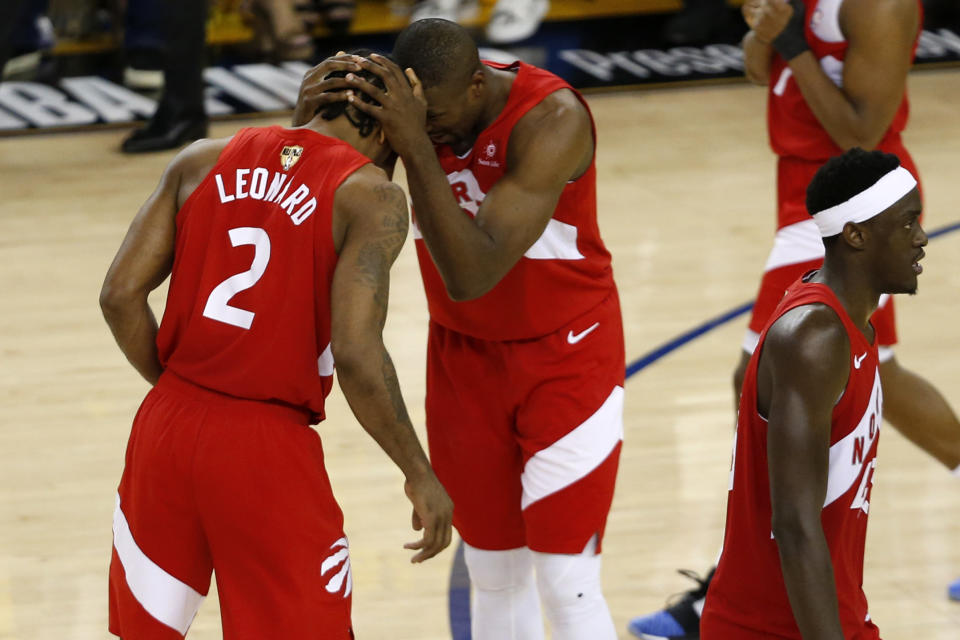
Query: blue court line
(645, 361)
(458, 598)
(943, 230)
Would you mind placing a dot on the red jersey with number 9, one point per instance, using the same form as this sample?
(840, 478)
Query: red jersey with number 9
(248, 310)
(747, 599)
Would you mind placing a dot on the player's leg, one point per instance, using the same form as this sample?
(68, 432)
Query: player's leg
(160, 566)
(569, 585)
(505, 604)
(276, 533)
(475, 456)
(910, 403)
(570, 425)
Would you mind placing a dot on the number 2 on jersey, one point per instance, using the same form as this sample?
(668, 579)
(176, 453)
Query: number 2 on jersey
(217, 307)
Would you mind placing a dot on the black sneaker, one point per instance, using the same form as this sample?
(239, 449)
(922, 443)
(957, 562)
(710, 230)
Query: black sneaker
(678, 621)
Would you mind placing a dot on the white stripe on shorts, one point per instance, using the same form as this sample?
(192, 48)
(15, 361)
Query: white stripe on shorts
(795, 243)
(166, 598)
(576, 454)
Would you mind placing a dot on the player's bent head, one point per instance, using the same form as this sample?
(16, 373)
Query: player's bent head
(866, 207)
(365, 124)
(441, 53)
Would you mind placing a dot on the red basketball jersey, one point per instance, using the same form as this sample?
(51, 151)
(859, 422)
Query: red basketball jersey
(248, 311)
(567, 270)
(748, 598)
(793, 128)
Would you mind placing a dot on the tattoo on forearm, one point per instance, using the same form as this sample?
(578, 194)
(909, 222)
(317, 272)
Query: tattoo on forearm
(381, 249)
(393, 388)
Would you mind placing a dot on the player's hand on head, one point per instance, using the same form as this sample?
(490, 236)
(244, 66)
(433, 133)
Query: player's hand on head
(402, 110)
(432, 513)
(317, 90)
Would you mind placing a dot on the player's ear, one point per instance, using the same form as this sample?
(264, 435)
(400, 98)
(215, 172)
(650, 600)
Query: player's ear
(855, 235)
(477, 83)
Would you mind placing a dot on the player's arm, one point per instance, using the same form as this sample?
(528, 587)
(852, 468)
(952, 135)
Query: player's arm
(551, 144)
(370, 222)
(145, 258)
(880, 35)
(804, 368)
(756, 59)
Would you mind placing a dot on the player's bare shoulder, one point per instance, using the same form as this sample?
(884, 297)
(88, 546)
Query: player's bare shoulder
(809, 338)
(194, 162)
(561, 107)
(368, 202)
(806, 351)
(560, 112)
(558, 127)
(861, 18)
(884, 8)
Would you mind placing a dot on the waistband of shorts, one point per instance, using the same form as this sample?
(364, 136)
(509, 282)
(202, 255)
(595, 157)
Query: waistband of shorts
(169, 381)
(611, 299)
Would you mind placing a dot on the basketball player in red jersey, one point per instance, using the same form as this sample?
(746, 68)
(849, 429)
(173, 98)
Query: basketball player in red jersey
(809, 419)
(836, 72)
(280, 243)
(525, 358)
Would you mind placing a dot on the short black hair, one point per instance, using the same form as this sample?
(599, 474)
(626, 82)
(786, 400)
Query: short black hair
(440, 52)
(843, 177)
(364, 123)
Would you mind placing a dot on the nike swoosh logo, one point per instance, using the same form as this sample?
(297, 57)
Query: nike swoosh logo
(858, 359)
(574, 338)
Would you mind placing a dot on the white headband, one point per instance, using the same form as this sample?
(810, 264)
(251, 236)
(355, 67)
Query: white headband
(866, 204)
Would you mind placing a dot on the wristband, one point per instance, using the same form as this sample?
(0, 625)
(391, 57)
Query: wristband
(792, 41)
(956, 472)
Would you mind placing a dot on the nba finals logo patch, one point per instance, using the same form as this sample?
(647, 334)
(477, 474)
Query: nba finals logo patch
(290, 156)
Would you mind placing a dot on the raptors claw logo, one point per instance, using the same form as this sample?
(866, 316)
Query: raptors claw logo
(340, 557)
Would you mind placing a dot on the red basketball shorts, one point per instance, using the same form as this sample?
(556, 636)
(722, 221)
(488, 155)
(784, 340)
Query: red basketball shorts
(798, 248)
(525, 435)
(237, 486)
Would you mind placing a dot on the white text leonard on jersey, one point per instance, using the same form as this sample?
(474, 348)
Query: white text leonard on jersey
(260, 185)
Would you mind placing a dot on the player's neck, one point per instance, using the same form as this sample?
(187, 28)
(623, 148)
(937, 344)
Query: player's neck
(341, 129)
(854, 291)
(498, 85)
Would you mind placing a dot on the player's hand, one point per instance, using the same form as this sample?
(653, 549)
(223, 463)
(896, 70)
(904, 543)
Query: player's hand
(433, 513)
(403, 109)
(767, 18)
(750, 10)
(317, 92)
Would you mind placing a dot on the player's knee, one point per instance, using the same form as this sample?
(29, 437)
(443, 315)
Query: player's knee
(508, 570)
(569, 585)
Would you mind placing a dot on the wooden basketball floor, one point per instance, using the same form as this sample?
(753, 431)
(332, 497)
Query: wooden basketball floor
(686, 201)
